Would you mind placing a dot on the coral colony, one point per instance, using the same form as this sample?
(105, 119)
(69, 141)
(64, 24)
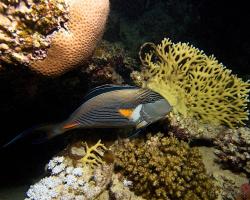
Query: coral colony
(67, 181)
(50, 37)
(164, 168)
(25, 26)
(89, 177)
(195, 84)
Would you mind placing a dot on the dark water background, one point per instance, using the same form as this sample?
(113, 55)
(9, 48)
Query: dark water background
(217, 27)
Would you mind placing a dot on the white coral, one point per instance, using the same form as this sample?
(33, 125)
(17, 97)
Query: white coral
(56, 165)
(65, 182)
(46, 189)
(70, 180)
(77, 171)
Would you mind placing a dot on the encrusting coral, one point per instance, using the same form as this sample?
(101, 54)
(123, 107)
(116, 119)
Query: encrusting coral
(189, 128)
(109, 64)
(24, 26)
(196, 85)
(164, 168)
(52, 36)
(233, 148)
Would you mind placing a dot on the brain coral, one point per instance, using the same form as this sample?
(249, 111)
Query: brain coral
(195, 84)
(164, 168)
(69, 47)
(71, 43)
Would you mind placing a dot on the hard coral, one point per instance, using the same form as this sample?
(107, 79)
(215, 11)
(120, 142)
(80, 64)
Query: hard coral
(195, 84)
(24, 27)
(51, 37)
(71, 178)
(233, 148)
(110, 64)
(164, 168)
(68, 182)
(190, 128)
(73, 45)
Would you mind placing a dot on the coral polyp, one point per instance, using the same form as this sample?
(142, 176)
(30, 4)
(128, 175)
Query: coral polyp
(196, 85)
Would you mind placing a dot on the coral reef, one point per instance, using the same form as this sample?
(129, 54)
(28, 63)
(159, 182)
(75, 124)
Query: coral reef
(164, 168)
(69, 44)
(233, 148)
(24, 27)
(81, 173)
(229, 187)
(228, 181)
(83, 178)
(110, 63)
(120, 190)
(68, 182)
(195, 84)
(190, 128)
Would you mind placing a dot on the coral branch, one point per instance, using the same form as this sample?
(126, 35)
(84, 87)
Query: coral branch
(94, 154)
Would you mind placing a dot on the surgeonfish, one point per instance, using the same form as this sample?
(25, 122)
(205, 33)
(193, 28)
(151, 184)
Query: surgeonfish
(112, 106)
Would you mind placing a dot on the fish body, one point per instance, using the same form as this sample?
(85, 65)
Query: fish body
(111, 106)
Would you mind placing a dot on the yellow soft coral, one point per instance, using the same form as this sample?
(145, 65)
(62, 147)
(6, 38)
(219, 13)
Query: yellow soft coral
(195, 84)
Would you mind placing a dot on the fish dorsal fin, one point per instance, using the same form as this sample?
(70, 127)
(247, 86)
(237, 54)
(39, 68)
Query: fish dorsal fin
(106, 88)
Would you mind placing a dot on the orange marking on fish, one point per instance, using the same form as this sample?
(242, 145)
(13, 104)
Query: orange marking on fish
(67, 126)
(126, 112)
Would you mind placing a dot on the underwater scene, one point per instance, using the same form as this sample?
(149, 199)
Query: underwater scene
(124, 100)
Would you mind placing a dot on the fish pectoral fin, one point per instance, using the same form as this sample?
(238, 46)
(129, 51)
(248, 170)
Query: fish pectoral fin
(127, 112)
(70, 125)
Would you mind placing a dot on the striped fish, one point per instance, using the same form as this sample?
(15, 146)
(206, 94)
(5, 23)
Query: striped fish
(112, 106)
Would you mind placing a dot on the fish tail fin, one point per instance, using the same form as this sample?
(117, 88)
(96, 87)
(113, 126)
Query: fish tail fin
(46, 132)
(39, 134)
